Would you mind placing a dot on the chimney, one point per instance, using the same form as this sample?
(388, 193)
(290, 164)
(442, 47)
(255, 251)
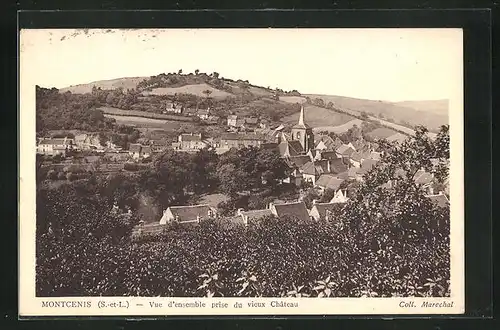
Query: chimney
(314, 201)
(440, 192)
(239, 211)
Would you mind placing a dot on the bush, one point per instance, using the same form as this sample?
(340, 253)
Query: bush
(269, 259)
(51, 175)
(130, 167)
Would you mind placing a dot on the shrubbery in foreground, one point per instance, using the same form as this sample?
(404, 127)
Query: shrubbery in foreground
(271, 258)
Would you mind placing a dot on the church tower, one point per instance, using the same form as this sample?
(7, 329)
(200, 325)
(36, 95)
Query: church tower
(303, 133)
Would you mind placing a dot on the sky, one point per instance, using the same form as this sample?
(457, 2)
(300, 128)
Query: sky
(377, 64)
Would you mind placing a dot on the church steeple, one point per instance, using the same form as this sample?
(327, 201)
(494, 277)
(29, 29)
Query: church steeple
(302, 122)
(301, 117)
(303, 133)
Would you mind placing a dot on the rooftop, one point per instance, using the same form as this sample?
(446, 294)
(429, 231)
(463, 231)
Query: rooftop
(242, 137)
(345, 150)
(190, 212)
(323, 208)
(297, 210)
(439, 200)
(328, 181)
(256, 214)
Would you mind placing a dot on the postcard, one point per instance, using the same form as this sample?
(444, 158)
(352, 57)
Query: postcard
(173, 172)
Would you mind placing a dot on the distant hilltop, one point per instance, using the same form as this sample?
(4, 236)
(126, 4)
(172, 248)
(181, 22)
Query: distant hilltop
(430, 113)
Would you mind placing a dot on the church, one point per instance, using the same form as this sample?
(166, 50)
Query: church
(300, 141)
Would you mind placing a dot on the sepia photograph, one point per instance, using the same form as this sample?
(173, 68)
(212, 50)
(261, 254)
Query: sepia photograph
(263, 165)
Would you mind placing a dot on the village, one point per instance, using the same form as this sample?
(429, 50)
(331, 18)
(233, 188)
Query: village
(313, 159)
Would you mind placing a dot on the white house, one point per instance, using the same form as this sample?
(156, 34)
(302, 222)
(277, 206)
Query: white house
(55, 146)
(188, 214)
(324, 211)
(245, 216)
(340, 196)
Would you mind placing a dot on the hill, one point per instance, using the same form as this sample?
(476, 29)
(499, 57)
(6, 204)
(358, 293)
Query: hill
(125, 83)
(320, 117)
(328, 112)
(196, 89)
(431, 114)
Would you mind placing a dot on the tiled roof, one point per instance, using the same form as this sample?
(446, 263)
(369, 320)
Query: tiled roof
(190, 137)
(297, 210)
(439, 200)
(338, 165)
(328, 155)
(256, 214)
(330, 182)
(191, 212)
(296, 147)
(356, 156)
(146, 150)
(242, 137)
(324, 179)
(315, 168)
(56, 141)
(293, 147)
(345, 150)
(299, 160)
(232, 117)
(328, 141)
(324, 207)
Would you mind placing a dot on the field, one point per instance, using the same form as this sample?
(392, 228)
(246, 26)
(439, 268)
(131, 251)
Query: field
(190, 89)
(125, 83)
(439, 107)
(340, 128)
(381, 133)
(143, 114)
(431, 114)
(319, 117)
(293, 99)
(146, 122)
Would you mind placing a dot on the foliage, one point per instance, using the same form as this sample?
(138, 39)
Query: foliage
(271, 258)
(68, 111)
(251, 168)
(386, 242)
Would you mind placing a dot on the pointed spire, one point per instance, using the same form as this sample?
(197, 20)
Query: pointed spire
(301, 118)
